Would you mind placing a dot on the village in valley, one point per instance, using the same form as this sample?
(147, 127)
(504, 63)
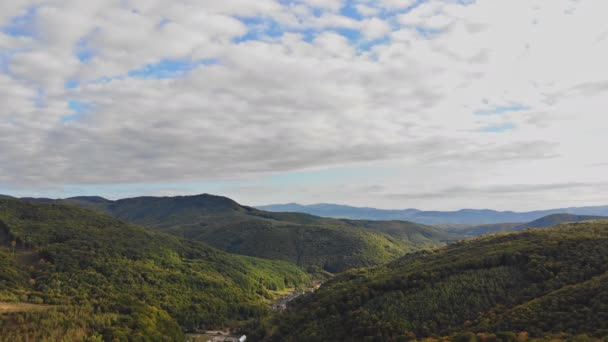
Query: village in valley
(281, 305)
(228, 336)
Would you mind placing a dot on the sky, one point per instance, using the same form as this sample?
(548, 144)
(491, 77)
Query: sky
(429, 104)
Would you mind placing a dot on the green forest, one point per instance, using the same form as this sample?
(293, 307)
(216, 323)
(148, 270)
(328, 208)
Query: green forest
(537, 284)
(99, 277)
(317, 243)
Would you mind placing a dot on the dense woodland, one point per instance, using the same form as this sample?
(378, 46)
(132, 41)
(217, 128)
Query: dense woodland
(543, 282)
(317, 243)
(102, 277)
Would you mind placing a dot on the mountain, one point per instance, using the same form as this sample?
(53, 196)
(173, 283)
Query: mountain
(543, 222)
(535, 283)
(88, 275)
(555, 219)
(464, 216)
(341, 211)
(327, 244)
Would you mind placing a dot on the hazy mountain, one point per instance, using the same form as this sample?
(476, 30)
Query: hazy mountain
(464, 216)
(323, 243)
(547, 221)
(341, 211)
(555, 219)
(541, 282)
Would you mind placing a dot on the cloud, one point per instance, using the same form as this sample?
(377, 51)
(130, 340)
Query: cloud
(200, 91)
(366, 10)
(499, 128)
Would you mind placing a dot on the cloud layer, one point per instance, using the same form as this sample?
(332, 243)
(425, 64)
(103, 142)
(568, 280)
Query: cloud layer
(446, 94)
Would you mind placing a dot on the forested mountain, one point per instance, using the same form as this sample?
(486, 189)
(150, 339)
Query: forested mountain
(533, 283)
(543, 222)
(333, 245)
(464, 216)
(97, 276)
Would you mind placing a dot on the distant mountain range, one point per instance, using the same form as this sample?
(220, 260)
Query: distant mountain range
(543, 222)
(464, 216)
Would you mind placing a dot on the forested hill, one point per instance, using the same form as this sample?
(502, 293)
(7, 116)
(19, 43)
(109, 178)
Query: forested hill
(533, 283)
(333, 245)
(102, 277)
(555, 219)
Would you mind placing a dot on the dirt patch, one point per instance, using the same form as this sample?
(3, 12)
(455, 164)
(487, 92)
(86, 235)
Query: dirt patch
(20, 307)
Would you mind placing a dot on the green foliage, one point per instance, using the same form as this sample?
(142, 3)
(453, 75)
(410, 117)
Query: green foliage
(332, 245)
(75, 258)
(135, 322)
(543, 282)
(331, 248)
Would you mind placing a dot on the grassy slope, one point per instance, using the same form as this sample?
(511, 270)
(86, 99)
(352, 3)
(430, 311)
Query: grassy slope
(127, 279)
(331, 244)
(542, 281)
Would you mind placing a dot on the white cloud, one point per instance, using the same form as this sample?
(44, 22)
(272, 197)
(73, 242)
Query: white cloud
(366, 10)
(375, 28)
(394, 4)
(312, 98)
(333, 5)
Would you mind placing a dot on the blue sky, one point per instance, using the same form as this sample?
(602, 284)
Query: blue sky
(499, 110)
(22, 25)
(501, 128)
(78, 110)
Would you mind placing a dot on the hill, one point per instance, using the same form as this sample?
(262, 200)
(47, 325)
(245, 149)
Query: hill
(464, 216)
(555, 219)
(329, 244)
(542, 282)
(341, 211)
(543, 222)
(101, 277)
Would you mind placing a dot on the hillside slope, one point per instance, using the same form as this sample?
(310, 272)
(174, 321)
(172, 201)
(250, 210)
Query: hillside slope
(333, 245)
(115, 280)
(544, 281)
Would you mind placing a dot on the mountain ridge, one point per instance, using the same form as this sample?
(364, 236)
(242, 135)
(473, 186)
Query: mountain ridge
(432, 217)
(543, 222)
(325, 244)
